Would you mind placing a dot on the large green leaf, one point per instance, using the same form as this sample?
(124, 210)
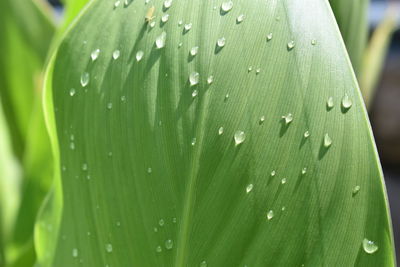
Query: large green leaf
(147, 177)
(352, 19)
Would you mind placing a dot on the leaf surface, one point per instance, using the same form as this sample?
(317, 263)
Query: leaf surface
(158, 166)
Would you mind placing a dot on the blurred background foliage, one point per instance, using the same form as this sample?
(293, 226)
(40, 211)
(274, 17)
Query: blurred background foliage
(31, 28)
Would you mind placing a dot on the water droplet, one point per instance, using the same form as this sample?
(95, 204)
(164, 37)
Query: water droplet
(123, 98)
(72, 92)
(290, 45)
(283, 181)
(165, 18)
(226, 97)
(329, 103)
(161, 222)
(239, 137)
(273, 173)
(262, 119)
(270, 215)
(369, 246)
(169, 244)
(75, 252)
(195, 93)
(220, 130)
(109, 106)
(250, 69)
(269, 36)
(203, 264)
(306, 134)
(187, 27)
(158, 249)
(327, 141)
(194, 78)
(117, 3)
(240, 18)
(194, 51)
(283, 208)
(95, 54)
(116, 54)
(149, 170)
(139, 55)
(210, 79)
(84, 167)
(155, 229)
(356, 189)
(304, 171)
(180, 22)
(258, 71)
(227, 6)
(346, 102)
(160, 40)
(193, 141)
(313, 42)
(85, 78)
(152, 24)
(109, 248)
(221, 42)
(249, 188)
(167, 4)
(288, 118)
(72, 146)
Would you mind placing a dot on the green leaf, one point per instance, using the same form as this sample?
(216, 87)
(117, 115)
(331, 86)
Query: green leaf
(72, 9)
(26, 31)
(375, 55)
(10, 180)
(351, 17)
(146, 176)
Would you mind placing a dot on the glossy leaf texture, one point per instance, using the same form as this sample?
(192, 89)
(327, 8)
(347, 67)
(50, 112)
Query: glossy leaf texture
(352, 18)
(253, 149)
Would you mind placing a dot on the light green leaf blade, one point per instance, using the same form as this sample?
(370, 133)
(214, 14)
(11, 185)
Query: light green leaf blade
(26, 34)
(375, 54)
(10, 180)
(145, 167)
(72, 9)
(26, 31)
(352, 19)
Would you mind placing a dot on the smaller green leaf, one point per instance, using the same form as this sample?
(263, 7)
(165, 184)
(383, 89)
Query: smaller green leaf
(375, 54)
(351, 16)
(10, 180)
